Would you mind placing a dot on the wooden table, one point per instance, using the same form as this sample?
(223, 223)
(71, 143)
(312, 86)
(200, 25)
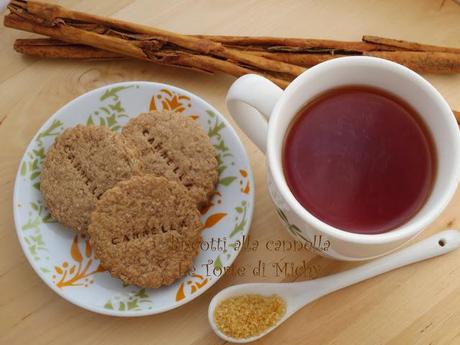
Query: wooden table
(419, 304)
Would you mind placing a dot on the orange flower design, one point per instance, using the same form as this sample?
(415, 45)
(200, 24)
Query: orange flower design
(191, 287)
(244, 182)
(213, 219)
(78, 273)
(168, 100)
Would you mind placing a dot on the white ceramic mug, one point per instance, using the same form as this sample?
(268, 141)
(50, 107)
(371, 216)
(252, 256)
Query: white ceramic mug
(264, 112)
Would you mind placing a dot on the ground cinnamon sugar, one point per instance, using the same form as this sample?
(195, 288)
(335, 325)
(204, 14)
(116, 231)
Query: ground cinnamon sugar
(248, 315)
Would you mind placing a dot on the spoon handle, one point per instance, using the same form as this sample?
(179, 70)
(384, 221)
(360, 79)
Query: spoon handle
(438, 244)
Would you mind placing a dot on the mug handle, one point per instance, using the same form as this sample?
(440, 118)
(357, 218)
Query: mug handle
(250, 101)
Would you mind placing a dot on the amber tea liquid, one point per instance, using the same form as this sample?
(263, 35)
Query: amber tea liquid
(359, 159)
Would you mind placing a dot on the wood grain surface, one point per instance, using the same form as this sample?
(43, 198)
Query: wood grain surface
(419, 304)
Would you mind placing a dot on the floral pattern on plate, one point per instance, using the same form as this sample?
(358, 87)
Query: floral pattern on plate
(65, 260)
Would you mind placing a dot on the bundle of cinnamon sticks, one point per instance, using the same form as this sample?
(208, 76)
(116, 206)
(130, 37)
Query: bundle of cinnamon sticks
(80, 35)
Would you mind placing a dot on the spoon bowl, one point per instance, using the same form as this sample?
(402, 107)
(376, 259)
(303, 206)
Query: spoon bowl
(264, 289)
(298, 294)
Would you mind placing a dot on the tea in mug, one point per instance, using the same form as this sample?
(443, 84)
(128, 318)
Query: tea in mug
(359, 159)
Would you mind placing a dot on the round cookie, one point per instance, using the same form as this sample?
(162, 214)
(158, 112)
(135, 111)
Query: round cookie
(82, 163)
(146, 231)
(177, 148)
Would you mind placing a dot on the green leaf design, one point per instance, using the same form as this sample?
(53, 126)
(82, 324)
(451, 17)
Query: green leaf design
(221, 169)
(132, 304)
(293, 229)
(211, 113)
(105, 110)
(36, 185)
(34, 175)
(122, 306)
(238, 228)
(39, 153)
(31, 224)
(108, 305)
(132, 301)
(226, 181)
(108, 114)
(141, 294)
(48, 219)
(23, 169)
(221, 146)
(112, 92)
(38, 240)
(35, 164)
(49, 131)
(241, 223)
(36, 157)
(90, 121)
(117, 107)
(34, 238)
(218, 263)
(219, 159)
(34, 247)
(35, 206)
(33, 251)
(214, 131)
(282, 215)
(111, 120)
(44, 270)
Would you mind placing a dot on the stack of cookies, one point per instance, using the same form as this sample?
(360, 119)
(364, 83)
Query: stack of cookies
(136, 194)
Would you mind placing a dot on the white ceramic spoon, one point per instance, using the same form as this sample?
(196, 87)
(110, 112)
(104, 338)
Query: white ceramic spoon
(299, 294)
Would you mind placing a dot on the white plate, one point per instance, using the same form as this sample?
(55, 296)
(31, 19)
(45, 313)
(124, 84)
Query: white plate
(66, 262)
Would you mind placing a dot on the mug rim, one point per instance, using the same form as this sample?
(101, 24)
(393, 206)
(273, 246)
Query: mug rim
(405, 230)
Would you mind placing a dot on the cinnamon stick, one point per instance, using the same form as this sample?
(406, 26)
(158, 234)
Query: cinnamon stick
(304, 60)
(421, 61)
(391, 43)
(297, 44)
(424, 62)
(52, 48)
(61, 18)
(279, 59)
(143, 50)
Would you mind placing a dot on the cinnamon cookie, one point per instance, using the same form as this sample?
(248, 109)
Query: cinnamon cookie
(82, 163)
(177, 148)
(146, 231)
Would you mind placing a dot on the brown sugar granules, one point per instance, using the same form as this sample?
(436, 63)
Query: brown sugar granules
(246, 316)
